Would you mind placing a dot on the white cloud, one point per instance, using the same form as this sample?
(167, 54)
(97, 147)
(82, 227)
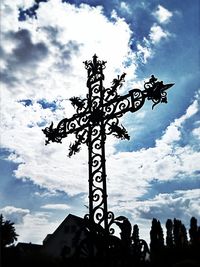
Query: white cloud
(146, 49)
(14, 214)
(132, 172)
(196, 132)
(45, 62)
(180, 204)
(173, 131)
(125, 7)
(46, 194)
(56, 207)
(162, 14)
(144, 52)
(32, 227)
(25, 4)
(54, 48)
(49, 167)
(35, 228)
(157, 34)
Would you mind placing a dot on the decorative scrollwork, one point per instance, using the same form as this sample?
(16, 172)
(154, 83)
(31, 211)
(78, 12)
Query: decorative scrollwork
(95, 70)
(74, 148)
(98, 215)
(137, 99)
(96, 89)
(111, 221)
(52, 135)
(97, 176)
(120, 132)
(117, 83)
(109, 122)
(155, 90)
(77, 102)
(97, 193)
(96, 160)
(82, 136)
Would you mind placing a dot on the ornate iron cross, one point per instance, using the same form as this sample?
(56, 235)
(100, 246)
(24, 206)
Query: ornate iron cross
(96, 117)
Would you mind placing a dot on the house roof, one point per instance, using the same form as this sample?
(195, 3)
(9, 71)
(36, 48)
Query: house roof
(79, 221)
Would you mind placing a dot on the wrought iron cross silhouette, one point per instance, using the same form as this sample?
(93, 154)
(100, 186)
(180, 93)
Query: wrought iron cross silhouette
(96, 117)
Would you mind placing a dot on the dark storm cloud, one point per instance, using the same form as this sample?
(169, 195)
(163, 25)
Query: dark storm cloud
(14, 214)
(52, 33)
(175, 205)
(66, 50)
(167, 187)
(166, 211)
(8, 78)
(25, 54)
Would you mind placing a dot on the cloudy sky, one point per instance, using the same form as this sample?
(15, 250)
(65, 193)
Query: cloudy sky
(43, 44)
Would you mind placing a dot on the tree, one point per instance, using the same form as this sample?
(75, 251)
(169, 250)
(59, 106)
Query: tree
(180, 234)
(160, 235)
(7, 232)
(156, 235)
(153, 235)
(136, 242)
(193, 231)
(184, 236)
(176, 232)
(169, 236)
(135, 235)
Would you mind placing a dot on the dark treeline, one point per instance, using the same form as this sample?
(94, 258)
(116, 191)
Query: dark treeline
(180, 248)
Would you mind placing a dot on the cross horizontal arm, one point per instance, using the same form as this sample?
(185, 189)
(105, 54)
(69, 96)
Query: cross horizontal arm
(114, 108)
(132, 102)
(66, 126)
(78, 122)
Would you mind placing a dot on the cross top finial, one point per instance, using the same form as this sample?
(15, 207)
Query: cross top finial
(95, 57)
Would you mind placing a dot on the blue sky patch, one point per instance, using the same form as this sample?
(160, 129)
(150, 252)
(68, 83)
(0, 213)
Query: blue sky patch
(26, 102)
(45, 104)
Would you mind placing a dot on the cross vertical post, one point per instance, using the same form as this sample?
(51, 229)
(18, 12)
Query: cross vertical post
(96, 144)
